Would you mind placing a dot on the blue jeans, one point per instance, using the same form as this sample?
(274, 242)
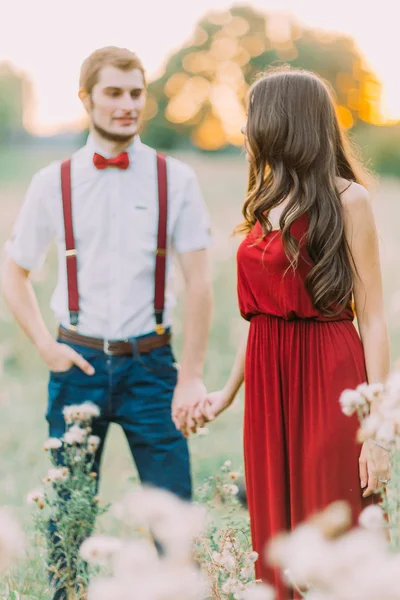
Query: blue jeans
(136, 393)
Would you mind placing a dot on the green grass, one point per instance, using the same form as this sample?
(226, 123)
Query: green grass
(23, 393)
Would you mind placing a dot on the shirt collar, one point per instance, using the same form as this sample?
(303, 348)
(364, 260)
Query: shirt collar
(92, 147)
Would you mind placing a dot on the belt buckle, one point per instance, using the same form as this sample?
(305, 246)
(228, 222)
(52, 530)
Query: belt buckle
(106, 347)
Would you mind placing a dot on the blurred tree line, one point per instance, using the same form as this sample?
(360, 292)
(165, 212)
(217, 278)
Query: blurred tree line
(201, 94)
(198, 101)
(15, 102)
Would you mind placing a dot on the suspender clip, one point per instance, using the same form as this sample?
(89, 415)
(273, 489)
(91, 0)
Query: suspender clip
(73, 320)
(160, 327)
(72, 252)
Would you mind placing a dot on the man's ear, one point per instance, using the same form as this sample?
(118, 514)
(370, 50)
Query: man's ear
(85, 99)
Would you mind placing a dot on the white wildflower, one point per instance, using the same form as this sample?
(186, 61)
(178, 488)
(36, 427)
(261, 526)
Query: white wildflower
(386, 432)
(227, 560)
(99, 549)
(105, 589)
(135, 558)
(228, 464)
(369, 427)
(351, 401)
(52, 444)
(224, 559)
(12, 540)
(372, 518)
(228, 585)
(238, 590)
(93, 443)
(230, 544)
(216, 557)
(230, 489)
(334, 520)
(318, 595)
(259, 591)
(247, 572)
(75, 435)
(173, 522)
(371, 391)
(234, 475)
(56, 475)
(81, 412)
(170, 583)
(305, 554)
(36, 497)
(355, 550)
(252, 557)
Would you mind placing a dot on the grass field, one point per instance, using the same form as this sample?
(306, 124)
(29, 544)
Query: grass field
(23, 390)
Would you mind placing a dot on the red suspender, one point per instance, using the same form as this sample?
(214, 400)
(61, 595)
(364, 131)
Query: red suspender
(70, 250)
(161, 251)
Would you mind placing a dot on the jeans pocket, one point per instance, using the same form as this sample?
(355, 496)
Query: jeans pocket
(61, 374)
(87, 353)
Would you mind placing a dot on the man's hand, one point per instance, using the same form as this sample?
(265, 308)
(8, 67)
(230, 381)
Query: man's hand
(60, 357)
(187, 397)
(374, 467)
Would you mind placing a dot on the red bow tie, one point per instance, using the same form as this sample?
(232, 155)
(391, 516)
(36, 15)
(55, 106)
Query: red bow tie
(121, 161)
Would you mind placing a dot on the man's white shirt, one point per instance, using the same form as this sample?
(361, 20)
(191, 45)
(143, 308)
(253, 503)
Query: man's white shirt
(115, 219)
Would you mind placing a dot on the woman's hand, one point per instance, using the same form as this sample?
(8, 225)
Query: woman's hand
(213, 404)
(374, 467)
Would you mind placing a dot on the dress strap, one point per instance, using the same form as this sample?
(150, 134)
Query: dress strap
(345, 189)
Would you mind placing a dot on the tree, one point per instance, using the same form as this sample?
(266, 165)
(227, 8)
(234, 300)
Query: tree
(14, 98)
(201, 95)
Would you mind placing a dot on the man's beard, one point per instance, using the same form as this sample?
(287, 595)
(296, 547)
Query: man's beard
(119, 138)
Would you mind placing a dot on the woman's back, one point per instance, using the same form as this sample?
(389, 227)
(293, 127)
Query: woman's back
(267, 284)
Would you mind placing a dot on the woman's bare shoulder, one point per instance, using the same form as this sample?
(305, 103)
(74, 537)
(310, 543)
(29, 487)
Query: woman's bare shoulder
(357, 209)
(354, 196)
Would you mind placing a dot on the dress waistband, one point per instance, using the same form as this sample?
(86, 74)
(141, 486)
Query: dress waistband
(293, 317)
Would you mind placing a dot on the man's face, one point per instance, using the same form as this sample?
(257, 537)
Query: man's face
(116, 103)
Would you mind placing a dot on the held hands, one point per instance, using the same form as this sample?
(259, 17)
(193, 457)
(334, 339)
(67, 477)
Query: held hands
(188, 395)
(192, 407)
(60, 358)
(213, 405)
(374, 467)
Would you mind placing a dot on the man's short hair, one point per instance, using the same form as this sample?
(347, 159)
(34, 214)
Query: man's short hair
(110, 56)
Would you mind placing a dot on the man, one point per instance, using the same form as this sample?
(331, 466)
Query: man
(116, 212)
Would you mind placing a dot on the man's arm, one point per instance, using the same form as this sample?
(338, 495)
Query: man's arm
(21, 299)
(198, 306)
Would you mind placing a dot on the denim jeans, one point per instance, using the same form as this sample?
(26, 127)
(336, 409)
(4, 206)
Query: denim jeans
(136, 393)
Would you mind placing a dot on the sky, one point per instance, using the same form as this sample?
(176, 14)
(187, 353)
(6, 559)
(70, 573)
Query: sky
(48, 40)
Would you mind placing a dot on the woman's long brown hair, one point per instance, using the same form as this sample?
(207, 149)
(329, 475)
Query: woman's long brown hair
(297, 151)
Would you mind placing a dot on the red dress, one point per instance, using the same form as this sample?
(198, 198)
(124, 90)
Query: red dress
(300, 450)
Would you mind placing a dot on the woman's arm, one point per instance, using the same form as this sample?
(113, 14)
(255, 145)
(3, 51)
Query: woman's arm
(362, 239)
(216, 402)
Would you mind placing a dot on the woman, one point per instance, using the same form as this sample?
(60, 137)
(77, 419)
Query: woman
(311, 250)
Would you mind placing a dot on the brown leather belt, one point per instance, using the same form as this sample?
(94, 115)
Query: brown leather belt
(115, 347)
